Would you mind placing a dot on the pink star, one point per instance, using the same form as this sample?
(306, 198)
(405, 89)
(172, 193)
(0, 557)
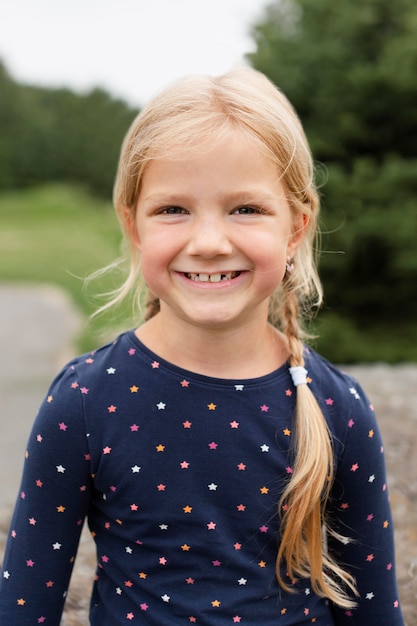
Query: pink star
(211, 526)
(187, 424)
(131, 351)
(329, 401)
(30, 563)
(106, 450)
(134, 507)
(241, 467)
(89, 361)
(74, 386)
(144, 606)
(161, 487)
(396, 604)
(105, 558)
(288, 392)
(289, 470)
(354, 467)
(212, 445)
(185, 383)
(351, 423)
(162, 560)
(241, 507)
(264, 408)
(134, 428)
(237, 546)
(41, 619)
(370, 518)
(39, 483)
(389, 566)
(190, 581)
(50, 583)
(263, 529)
(112, 408)
(39, 438)
(217, 563)
(155, 365)
(62, 426)
(234, 424)
(370, 558)
(236, 619)
(184, 465)
(130, 616)
(192, 619)
(32, 521)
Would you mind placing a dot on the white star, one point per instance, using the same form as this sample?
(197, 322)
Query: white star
(6, 574)
(111, 370)
(264, 448)
(354, 393)
(370, 595)
(242, 581)
(371, 478)
(161, 405)
(212, 487)
(56, 546)
(239, 387)
(60, 469)
(307, 591)
(136, 469)
(166, 598)
(118, 591)
(128, 550)
(163, 526)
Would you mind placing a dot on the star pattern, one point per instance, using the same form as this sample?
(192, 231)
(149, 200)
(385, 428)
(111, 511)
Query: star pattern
(181, 475)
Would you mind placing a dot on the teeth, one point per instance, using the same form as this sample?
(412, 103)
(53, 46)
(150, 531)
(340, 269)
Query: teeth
(212, 278)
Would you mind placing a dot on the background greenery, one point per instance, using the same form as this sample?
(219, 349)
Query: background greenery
(349, 68)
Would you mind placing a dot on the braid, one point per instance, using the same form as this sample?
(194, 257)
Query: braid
(304, 499)
(152, 305)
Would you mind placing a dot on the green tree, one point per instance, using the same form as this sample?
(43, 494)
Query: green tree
(350, 69)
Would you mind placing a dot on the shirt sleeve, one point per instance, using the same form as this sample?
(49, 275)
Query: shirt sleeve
(50, 510)
(360, 512)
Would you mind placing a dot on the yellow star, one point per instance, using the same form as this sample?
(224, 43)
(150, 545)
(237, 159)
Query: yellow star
(371, 434)
(160, 448)
(21, 601)
(60, 508)
(264, 490)
(134, 389)
(211, 406)
(215, 603)
(386, 524)
(187, 509)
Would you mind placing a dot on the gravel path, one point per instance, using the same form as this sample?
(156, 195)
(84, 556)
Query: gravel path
(37, 328)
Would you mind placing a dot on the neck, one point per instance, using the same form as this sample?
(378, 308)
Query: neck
(249, 351)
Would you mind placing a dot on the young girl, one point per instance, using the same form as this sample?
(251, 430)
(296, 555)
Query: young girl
(229, 474)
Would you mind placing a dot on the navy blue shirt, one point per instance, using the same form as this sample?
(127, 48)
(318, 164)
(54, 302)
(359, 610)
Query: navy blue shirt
(180, 475)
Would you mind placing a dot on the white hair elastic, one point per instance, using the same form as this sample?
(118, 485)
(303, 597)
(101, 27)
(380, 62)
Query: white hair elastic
(298, 375)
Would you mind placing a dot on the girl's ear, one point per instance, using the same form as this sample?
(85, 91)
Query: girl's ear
(298, 231)
(130, 227)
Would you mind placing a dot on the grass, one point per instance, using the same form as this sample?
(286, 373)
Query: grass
(60, 234)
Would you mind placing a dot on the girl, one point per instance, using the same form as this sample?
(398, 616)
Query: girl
(229, 474)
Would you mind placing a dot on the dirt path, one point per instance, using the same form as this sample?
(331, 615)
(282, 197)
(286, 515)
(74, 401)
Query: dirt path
(37, 327)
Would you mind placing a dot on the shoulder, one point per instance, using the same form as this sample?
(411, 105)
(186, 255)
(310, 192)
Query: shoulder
(340, 396)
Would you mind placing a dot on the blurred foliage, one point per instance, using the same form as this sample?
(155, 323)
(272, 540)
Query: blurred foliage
(350, 69)
(61, 234)
(58, 135)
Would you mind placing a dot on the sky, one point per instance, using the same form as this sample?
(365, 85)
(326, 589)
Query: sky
(131, 48)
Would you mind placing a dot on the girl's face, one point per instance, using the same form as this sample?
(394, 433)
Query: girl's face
(214, 230)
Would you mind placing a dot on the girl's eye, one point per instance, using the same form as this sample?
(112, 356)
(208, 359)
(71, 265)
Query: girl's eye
(173, 210)
(248, 210)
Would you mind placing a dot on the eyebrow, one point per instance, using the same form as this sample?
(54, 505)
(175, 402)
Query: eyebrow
(240, 197)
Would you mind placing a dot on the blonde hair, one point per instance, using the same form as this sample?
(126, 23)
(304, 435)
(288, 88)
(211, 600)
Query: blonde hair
(199, 109)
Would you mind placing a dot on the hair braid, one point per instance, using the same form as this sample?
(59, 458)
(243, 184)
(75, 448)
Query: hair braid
(152, 305)
(303, 501)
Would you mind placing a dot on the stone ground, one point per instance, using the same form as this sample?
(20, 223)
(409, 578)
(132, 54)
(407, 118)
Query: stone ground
(37, 327)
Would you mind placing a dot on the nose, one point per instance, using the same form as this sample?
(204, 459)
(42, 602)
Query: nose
(209, 237)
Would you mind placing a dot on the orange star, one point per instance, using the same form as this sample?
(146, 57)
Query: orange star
(287, 432)
(215, 603)
(211, 406)
(142, 575)
(134, 389)
(264, 490)
(60, 508)
(21, 602)
(262, 564)
(160, 448)
(185, 547)
(187, 509)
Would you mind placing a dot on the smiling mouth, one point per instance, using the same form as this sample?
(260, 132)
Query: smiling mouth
(212, 278)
